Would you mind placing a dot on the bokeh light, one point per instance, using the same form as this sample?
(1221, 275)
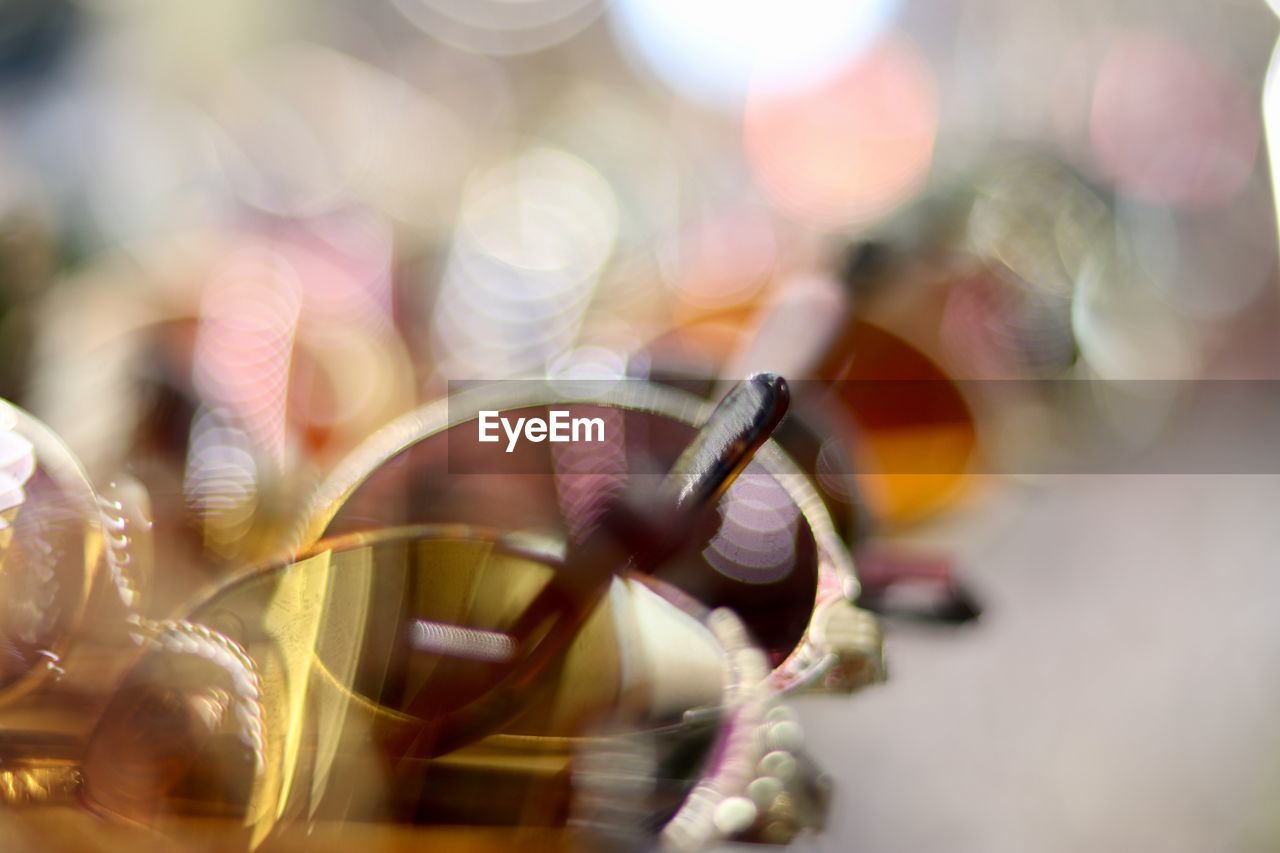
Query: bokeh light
(757, 536)
(305, 129)
(533, 236)
(720, 262)
(248, 323)
(713, 51)
(852, 148)
(501, 27)
(1205, 262)
(1167, 125)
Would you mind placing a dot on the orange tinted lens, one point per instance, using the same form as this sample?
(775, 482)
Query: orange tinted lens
(916, 432)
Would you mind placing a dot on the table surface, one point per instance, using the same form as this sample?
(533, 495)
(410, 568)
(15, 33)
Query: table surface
(1117, 694)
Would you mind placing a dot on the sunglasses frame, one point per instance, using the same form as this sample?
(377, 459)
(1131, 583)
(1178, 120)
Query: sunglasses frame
(842, 647)
(61, 465)
(746, 721)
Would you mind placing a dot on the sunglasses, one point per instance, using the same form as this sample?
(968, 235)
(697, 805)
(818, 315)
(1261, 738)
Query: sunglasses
(221, 382)
(289, 694)
(281, 696)
(74, 559)
(773, 555)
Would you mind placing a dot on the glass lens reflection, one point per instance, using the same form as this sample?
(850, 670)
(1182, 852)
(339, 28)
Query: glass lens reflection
(49, 544)
(262, 707)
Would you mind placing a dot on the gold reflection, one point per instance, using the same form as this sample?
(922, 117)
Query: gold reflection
(277, 701)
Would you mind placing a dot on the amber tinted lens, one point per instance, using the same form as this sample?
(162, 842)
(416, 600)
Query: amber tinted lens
(759, 558)
(890, 413)
(916, 433)
(278, 696)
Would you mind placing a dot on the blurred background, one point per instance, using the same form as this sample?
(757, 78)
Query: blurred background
(236, 238)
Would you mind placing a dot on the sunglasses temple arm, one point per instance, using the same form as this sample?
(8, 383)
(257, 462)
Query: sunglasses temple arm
(740, 424)
(639, 539)
(803, 331)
